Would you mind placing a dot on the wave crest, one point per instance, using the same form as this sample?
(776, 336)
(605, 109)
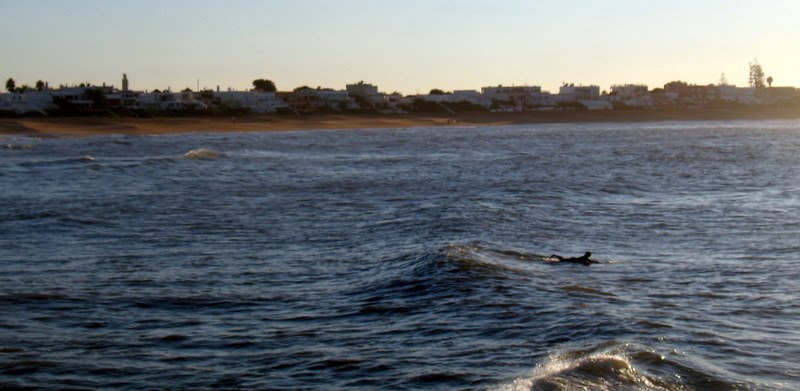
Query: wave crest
(455, 265)
(614, 366)
(204, 154)
(435, 273)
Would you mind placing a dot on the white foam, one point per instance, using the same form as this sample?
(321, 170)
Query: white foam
(557, 364)
(550, 367)
(203, 154)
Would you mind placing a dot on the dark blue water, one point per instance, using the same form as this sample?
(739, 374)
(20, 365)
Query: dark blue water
(404, 259)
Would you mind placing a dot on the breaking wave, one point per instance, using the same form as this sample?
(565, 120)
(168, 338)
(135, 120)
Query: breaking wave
(204, 154)
(615, 366)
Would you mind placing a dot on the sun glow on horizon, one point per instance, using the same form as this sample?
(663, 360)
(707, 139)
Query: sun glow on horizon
(410, 47)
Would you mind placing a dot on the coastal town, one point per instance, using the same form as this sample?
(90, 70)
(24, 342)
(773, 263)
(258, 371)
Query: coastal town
(360, 97)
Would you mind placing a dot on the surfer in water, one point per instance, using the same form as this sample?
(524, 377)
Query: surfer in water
(585, 259)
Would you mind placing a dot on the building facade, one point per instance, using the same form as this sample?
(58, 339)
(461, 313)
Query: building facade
(573, 93)
(256, 101)
(634, 95)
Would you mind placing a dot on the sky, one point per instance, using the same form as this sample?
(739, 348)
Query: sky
(408, 46)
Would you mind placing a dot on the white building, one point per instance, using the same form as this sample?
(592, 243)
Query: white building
(634, 95)
(256, 101)
(367, 92)
(588, 96)
(469, 96)
(517, 98)
(168, 101)
(336, 98)
(573, 93)
(27, 102)
(309, 100)
(75, 96)
(189, 101)
(500, 93)
(158, 101)
(745, 95)
(122, 98)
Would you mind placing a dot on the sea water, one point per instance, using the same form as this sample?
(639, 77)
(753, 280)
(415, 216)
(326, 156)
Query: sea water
(405, 259)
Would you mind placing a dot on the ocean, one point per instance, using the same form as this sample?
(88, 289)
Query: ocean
(408, 259)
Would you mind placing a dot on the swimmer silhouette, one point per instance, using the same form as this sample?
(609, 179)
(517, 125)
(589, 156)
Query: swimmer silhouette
(583, 260)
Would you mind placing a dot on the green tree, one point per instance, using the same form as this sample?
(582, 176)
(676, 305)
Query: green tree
(436, 91)
(756, 75)
(207, 94)
(425, 106)
(676, 84)
(264, 85)
(302, 88)
(39, 85)
(11, 85)
(97, 97)
(769, 81)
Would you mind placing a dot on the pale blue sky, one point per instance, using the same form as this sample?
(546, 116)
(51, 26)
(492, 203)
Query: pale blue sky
(410, 45)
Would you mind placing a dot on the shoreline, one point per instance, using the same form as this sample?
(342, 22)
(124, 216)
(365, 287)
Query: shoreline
(91, 126)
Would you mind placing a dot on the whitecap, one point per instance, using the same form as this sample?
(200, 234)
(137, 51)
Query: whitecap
(204, 154)
(606, 372)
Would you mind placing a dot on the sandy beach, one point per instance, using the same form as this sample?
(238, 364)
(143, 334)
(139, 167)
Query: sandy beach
(88, 126)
